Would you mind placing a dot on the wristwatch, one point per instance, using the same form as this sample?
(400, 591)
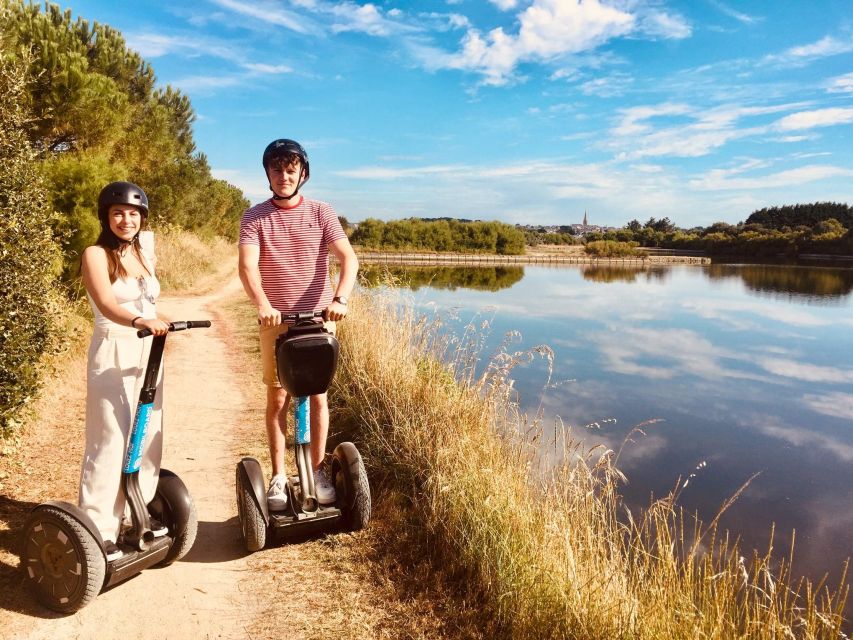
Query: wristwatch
(340, 299)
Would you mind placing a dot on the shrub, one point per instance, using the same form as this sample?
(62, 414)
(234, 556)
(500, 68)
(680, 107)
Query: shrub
(30, 257)
(611, 248)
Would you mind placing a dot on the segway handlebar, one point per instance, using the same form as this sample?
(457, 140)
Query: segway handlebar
(300, 316)
(180, 325)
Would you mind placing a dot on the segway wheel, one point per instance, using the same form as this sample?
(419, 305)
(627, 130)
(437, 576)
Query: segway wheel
(61, 561)
(350, 479)
(252, 523)
(175, 508)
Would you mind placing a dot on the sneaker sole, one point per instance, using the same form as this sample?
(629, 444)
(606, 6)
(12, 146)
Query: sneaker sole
(276, 504)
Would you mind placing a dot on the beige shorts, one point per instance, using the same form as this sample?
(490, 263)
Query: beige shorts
(268, 337)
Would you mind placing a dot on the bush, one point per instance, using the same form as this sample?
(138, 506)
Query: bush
(611, 249)
(29, 254)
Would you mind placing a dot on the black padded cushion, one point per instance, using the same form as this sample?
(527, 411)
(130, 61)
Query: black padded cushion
(306, 359)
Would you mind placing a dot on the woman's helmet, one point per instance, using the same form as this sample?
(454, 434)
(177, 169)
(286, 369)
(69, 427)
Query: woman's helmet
(121, 193)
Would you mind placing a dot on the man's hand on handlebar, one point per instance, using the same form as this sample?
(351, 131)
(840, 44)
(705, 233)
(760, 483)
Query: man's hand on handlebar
(335, 311)
(269, 317)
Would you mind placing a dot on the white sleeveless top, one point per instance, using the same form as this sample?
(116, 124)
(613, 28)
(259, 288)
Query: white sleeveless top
(137, 295)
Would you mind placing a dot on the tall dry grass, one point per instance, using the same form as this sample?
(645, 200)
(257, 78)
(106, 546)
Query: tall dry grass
(551, 551)
(188, 263)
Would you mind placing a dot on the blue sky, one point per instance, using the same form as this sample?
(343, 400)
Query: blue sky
(523, 111)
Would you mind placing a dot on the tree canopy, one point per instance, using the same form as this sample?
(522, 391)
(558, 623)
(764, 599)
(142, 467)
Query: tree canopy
(416, 234)
(97, 115)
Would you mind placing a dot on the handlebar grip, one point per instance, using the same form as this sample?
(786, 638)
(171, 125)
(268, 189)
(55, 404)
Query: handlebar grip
(179, 325)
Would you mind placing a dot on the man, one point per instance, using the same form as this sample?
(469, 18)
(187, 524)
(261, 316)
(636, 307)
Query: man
(284, 268)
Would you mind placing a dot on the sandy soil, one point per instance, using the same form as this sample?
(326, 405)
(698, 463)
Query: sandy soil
(362, 585)
(199, 597)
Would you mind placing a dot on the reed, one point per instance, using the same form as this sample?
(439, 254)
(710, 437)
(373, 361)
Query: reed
(547, 546)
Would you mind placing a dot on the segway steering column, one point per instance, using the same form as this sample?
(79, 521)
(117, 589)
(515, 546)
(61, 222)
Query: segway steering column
(140, 534)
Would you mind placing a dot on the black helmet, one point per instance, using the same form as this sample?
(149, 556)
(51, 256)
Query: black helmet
(283, 148)
(121, 193)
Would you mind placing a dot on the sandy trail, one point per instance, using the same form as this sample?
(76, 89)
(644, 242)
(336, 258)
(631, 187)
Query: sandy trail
(198, 597)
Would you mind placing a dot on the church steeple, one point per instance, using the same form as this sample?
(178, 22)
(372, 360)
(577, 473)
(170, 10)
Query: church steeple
(585, 223)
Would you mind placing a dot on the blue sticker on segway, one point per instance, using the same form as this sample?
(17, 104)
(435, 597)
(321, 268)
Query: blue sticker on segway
(137, 437)
(303, 421)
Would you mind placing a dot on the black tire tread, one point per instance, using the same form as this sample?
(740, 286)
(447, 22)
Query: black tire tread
(171, 489)
(181, 546)
(94, 565)
(252, 525)
(356, 504)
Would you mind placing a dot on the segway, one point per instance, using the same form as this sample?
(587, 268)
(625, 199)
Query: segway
(62, 554)
(306, 359)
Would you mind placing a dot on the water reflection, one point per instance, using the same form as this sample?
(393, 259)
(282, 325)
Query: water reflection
(440, 277)
(809, 284)
(597, 273)
(747, 368)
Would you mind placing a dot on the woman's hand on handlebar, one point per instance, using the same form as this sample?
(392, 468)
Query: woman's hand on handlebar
(269, 317)
(157, 326)
(335, 311)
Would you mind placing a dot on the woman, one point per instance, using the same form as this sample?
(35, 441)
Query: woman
(118, 274)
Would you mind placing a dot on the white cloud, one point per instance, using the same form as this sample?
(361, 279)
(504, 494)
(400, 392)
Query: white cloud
(632, 122)
(737, 15)
(208, 83)
(267, 69)
(804, 54)
(155, 45)
(365, 18)
(679, 352)
(816, 118)
(806, 439)
(837, 404)
(805, 371)
(720, 178)
(663, 25)
(505, 5)
(607, 87)
(548, 29)
(268, 13)
(827, 46)
(841, 84)
(634, 137)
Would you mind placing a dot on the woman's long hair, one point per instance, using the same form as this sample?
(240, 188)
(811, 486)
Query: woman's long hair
(113, 246)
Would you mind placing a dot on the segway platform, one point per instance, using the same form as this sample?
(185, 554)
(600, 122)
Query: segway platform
(306, 360)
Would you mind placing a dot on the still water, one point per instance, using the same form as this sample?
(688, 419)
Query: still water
(746, 369)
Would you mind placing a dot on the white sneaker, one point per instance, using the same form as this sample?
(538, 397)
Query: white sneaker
(324, 488)
(277, 496)
(157, 528)
(112, 551)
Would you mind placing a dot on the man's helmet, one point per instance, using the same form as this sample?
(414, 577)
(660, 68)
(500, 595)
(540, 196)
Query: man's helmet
(285, 148)
(121, 193)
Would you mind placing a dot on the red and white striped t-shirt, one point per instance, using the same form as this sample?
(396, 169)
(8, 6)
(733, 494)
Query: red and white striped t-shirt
(294, 252)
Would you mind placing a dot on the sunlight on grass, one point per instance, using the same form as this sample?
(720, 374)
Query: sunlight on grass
(188, 263)
(550, 547)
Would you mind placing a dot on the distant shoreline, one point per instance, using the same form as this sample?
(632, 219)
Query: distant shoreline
(479, 259)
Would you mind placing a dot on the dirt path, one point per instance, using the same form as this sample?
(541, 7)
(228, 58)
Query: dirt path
(200, 596)
(362, 585)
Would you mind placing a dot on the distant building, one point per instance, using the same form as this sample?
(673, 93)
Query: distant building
(574, 229)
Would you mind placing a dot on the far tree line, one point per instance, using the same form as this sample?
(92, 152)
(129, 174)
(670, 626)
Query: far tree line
(821, 227)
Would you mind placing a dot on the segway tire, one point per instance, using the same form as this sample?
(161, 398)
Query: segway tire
(350, 479)
(62, 563)
(174, 506)
(252, 523)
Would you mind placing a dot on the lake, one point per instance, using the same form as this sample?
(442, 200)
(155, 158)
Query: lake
(743, 369)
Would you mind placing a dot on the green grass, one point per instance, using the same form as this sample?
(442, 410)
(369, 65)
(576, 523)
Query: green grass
(547, 550)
